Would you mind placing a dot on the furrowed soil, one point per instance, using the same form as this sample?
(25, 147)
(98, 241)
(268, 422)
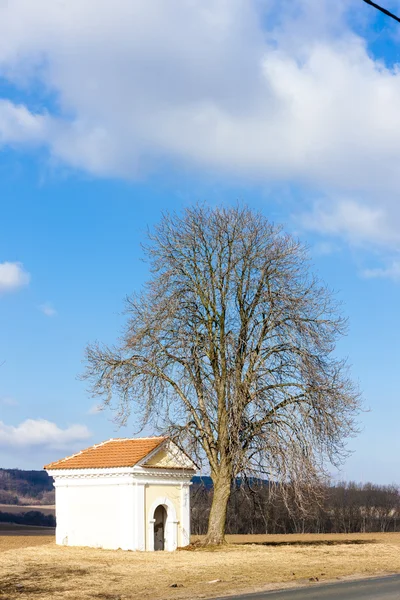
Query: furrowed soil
(33, 567)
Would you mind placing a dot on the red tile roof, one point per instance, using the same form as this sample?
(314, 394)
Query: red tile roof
(118, 452)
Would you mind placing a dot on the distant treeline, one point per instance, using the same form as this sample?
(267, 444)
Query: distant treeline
(255, 506)
(25, 487)
(262, 508)
(32, 517)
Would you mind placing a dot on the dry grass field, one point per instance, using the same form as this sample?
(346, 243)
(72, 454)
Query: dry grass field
(35, 568)
(17, 509)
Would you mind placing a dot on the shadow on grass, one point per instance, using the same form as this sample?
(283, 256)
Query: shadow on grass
(12, 587)
(37, 584)
(311, 543)
(199, 547)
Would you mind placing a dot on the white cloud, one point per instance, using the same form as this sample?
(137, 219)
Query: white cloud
(202, 83)
(325, 248)
(48, 309)
(282, 90)
(392, 271)
(12, 277)
(371, 229)
(19, 126)
(359, 223)
(95, 409)
(40, 432)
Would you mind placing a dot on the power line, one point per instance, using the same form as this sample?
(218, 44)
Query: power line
(384, 10)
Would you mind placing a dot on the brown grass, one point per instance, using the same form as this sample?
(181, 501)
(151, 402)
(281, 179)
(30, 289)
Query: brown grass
(11, 542)
(17, 509)
(47, 571)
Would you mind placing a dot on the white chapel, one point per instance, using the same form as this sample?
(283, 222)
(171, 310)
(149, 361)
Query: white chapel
(131, 494)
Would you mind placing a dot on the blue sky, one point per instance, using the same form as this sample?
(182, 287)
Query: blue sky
(110, 115)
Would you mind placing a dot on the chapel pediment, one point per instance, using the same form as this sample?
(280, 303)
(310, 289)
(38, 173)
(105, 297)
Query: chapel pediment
(168, 456)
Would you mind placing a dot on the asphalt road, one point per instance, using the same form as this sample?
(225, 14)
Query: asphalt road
(383, 588)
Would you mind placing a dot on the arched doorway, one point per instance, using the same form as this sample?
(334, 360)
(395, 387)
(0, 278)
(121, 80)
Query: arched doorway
(170, 524)
(160, 519)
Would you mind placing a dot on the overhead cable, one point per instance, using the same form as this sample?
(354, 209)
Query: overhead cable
(383, 10)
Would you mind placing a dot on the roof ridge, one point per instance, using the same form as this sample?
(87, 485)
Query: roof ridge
(85, 451)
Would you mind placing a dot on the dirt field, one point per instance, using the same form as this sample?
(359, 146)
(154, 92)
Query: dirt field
(16, 509)
(47, 571)
(14, 530)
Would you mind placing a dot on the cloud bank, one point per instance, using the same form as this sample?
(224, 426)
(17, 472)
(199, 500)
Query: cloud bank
(279, 90)
(40, 432)
(202, 83)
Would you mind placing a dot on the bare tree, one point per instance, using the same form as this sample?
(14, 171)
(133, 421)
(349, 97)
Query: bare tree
(230, 350)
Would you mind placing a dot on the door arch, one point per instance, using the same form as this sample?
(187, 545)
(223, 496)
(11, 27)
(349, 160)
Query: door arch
(160, 521)
(170, 524)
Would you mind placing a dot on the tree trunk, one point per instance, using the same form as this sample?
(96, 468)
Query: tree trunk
(217, 519)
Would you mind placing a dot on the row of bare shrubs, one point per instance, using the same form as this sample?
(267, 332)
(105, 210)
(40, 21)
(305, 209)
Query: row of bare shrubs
(260, 507)
(32, 517)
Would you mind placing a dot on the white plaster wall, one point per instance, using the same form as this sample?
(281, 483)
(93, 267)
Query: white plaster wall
(100, 516)
(112, 509)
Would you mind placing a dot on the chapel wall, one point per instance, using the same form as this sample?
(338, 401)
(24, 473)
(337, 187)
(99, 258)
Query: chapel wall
(94, 515)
